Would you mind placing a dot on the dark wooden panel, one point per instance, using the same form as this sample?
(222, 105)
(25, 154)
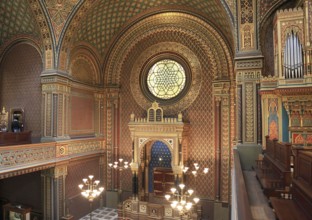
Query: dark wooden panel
(163, 181)
(18, 138)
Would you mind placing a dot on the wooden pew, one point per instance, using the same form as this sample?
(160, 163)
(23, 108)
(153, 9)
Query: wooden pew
(273, 170)
(298, 205)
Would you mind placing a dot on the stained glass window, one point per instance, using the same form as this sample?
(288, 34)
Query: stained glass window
(166, 79)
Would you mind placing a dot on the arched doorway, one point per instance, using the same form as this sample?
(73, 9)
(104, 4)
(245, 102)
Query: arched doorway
(154, 138)
(160, 175)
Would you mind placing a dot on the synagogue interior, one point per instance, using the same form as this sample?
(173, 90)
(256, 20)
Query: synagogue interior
(155, 109)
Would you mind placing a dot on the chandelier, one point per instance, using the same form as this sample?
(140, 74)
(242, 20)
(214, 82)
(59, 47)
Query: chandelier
(182, 200)
(90, 190)
(119, 166)
(196, 171)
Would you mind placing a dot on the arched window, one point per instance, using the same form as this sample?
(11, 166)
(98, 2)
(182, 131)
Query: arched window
(293, 57)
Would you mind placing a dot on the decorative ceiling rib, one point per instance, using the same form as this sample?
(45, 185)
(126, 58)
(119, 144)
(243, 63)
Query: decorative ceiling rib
(59, 12)
(269, 6)
(106, 18)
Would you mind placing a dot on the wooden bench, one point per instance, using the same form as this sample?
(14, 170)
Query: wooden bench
(273, 171)
(298, 205)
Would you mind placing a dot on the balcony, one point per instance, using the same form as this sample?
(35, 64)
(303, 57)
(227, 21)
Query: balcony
(21, 159)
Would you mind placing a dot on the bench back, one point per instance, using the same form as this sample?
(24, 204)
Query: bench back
(302, 181)
(279, 152)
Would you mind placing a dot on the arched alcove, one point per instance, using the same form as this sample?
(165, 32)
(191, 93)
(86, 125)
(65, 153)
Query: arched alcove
(152, 139)
(20, 78)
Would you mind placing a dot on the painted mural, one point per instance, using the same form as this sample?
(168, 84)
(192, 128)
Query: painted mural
(302, 138)
(273, 118)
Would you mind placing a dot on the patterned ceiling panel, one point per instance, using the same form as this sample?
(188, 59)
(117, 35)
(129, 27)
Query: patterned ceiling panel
(16, 18)
(59, 12)
(265, 6)
(106, 18)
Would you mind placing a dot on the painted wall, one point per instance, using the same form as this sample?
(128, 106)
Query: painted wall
(20, 85)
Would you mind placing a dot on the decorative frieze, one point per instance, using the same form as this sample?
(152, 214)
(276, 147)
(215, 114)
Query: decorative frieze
(249, 113)
(23, 159)
(14, 157)
(249, 64)
(248, 75)
(247, 24)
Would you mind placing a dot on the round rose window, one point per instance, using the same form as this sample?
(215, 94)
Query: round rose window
(166, 79)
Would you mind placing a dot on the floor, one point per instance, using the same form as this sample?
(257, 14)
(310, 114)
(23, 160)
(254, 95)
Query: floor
(260, 208)
(102, 213)
(259, 205)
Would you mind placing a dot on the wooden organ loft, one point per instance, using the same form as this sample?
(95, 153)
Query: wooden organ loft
(284, 170)
(286, 94)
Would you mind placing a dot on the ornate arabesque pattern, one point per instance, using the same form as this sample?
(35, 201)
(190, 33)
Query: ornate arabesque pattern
(249, 110)
(199, 112)
(309, 21)
(59, 12)
(225, 154)
(46, 36)
(70, 30)
(266, 6)
(109, 144)
(27, 155)
(247, 30)
(247, 12)
(189, 27)
(173, 48)
(106, 20)
(16, 18)
(83, 70)
(201, 139)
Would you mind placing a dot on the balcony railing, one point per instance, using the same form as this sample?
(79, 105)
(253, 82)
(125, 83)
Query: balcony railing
(240, 202)
(20, 159)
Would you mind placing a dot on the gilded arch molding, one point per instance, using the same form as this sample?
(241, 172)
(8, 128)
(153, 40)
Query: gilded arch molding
(84, 60)
(170, 32)
(189, 26)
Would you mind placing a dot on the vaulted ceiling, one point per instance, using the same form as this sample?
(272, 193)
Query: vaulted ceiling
(97, 22)
(16, 18)
(59, 24)
(106, 18)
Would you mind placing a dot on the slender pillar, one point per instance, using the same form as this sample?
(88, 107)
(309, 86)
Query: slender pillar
(53, 184)
(99, 100)
(112, 128)
(55, 105)
(217, 147)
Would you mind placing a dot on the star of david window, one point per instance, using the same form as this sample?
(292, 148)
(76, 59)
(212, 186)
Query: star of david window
(166, 79)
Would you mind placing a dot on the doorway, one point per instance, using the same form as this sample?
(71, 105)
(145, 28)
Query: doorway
(160, 175)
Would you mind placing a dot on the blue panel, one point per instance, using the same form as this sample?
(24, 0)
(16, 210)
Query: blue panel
(285, 125)
(159, 150)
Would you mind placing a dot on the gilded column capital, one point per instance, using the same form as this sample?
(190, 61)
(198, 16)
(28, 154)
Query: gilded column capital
(221, 88)
(60, 170)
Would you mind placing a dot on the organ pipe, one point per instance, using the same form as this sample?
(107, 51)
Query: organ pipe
(293, 59)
